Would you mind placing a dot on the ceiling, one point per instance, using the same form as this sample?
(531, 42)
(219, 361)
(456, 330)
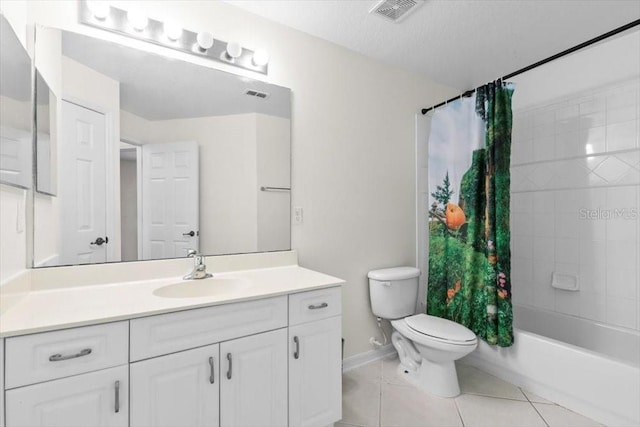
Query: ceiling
(460, 43)
(156, 87)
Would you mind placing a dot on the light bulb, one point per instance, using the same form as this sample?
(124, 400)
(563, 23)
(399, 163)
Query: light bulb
(234, 50)
(172, 30)
(205, 40)
(260, 58)
(137, 20)
(99, 9)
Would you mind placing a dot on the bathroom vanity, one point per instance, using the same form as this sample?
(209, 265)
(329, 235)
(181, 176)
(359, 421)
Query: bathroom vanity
(264, 353)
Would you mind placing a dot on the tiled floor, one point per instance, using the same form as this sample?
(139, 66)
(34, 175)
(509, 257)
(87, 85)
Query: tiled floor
(375, 396)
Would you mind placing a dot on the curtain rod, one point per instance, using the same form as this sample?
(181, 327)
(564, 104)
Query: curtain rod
(546, 60)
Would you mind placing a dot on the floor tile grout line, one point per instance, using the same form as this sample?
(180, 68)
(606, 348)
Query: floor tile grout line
(455, 402)
(534, 407)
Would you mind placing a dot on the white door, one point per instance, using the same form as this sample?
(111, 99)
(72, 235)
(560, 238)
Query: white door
(97, 399)
(181, 389)
(170, 191)
(315, 373)
(82, 187)
(253, 390)
(15, 156)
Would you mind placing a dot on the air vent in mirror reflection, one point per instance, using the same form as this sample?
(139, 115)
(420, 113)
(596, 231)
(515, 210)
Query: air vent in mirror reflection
(256, 93)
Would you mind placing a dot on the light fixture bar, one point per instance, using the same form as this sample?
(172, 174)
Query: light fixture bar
(117, 21)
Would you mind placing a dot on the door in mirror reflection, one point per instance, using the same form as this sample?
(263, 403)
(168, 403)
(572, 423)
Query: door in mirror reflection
(83, 185)
(170, 188)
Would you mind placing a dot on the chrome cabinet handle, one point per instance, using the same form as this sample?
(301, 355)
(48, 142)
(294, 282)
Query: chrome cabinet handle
(296, 354)
(212, 377)
(117, 407)
(58, 357)
(315, 307)
(230, 366)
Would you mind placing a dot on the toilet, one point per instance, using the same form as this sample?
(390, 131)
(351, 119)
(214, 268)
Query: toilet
(427, 346)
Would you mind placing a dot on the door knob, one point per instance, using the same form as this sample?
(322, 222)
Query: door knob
(191, 233)
(99, 241)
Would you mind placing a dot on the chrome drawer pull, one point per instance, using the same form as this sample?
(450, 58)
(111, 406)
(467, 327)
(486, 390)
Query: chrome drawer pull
(58, 357)
(117, 408)
(315, 307)
(230, 366)
(212, 377)
(296, 354)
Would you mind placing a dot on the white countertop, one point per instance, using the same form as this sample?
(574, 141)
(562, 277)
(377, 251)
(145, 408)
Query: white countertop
(46, 310)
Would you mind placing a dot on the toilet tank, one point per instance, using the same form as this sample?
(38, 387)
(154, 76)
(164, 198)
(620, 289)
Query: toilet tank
(393, 291)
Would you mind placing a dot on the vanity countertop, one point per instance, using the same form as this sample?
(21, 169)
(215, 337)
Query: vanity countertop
(46, 310)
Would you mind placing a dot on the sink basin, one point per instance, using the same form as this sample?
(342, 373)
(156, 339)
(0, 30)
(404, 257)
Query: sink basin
(202, 288)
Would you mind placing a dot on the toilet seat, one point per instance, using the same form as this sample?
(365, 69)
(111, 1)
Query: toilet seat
(440, 329)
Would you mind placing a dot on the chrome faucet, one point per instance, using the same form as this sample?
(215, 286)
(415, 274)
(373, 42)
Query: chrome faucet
(199, 269)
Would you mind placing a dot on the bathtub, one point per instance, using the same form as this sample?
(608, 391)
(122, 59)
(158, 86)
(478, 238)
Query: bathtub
(591, 383)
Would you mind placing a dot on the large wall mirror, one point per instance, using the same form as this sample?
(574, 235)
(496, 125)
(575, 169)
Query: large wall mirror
(153, 156)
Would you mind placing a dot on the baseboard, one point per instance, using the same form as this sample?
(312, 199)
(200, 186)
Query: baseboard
(360, 359)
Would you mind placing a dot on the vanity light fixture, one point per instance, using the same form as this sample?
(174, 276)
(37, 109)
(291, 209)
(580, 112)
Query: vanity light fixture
(134, 24)
(172, 30)
(260, 57)
(234, 50)
(137, 20)
(100, 9)
(205, 40)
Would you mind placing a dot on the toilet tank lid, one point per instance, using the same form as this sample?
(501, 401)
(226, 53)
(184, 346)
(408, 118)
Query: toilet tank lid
(395, 273)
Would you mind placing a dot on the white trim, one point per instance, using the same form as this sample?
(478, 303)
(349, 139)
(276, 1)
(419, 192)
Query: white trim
(352, 362)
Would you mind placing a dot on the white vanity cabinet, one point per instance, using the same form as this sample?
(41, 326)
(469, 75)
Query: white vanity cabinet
(180, 389)
(72, 377)
(268, 362)
(253, 388)
(315, 359)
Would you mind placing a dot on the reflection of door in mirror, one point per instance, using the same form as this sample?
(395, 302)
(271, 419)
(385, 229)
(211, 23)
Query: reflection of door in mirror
(170, 191)
(83, 185)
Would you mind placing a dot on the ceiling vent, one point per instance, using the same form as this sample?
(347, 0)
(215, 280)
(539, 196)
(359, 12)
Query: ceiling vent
(394, 10)
(256, 93)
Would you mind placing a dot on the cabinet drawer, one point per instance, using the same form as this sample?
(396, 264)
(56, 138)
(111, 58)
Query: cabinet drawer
(49, 355)
(314, 305)
(168, 333)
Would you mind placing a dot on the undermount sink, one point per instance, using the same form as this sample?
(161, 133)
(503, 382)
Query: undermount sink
(202, 288)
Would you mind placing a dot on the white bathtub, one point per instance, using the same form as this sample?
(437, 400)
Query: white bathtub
(587, 382)
(617, 343)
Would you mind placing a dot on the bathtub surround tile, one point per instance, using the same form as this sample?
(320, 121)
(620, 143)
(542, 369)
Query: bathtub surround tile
(408, 407)
(475, 381)
(557, 416)
(621, 312)
(483, 411)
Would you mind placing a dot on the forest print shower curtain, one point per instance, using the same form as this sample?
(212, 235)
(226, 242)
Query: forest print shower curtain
(469, 256)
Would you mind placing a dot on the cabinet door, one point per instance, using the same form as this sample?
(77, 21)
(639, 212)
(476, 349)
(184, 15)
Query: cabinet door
(180, 389)
(315, 373)
(96, 399)
(253, 390)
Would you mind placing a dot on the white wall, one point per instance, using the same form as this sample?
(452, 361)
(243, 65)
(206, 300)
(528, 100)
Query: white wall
(576, 153)
(353, 142)
(129, 210)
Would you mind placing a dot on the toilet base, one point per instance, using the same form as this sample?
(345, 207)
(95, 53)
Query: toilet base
(439, 379)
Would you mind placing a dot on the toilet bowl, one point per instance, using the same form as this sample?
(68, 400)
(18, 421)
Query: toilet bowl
(427, 346)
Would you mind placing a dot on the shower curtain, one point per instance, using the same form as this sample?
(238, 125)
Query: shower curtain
(469, 255)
